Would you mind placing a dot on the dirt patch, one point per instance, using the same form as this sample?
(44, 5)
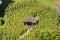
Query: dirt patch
(57, 3)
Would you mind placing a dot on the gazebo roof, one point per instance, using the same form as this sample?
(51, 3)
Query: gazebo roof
(30, 19)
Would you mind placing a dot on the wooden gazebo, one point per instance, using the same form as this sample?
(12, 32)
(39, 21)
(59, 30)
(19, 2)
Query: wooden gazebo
(30, 21)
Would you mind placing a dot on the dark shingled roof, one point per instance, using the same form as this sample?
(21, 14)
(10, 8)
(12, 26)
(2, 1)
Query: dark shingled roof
(30, 19)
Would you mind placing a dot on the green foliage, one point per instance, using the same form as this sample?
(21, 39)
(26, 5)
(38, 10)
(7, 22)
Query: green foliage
(14, 27)
(0, 22)
(43, 34)
(1, 19)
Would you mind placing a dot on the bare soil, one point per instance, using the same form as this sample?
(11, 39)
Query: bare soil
(57, 3)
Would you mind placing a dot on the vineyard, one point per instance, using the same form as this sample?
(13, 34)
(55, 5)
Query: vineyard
(12, 26)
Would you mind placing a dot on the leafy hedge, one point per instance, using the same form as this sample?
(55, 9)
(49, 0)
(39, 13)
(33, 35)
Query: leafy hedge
(0, 22)
(43, 34)
(14, 26)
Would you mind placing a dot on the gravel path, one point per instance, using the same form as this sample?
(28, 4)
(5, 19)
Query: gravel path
(26, 33)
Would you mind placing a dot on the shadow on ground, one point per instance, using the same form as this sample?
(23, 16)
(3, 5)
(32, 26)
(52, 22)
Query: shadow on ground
(3, 6)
